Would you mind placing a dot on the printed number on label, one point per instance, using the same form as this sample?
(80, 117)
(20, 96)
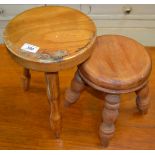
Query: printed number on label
(30, 48)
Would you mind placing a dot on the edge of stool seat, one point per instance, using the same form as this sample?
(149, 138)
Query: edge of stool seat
(112, 91)
(113, 81)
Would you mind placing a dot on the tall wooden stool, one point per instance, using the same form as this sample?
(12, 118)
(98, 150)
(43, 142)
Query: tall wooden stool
(117, 65)
(50, 39)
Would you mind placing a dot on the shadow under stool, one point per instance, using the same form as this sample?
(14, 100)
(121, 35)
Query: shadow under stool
(117, 65)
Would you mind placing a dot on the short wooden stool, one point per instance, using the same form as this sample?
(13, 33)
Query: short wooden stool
(117, 65)
(50, 39)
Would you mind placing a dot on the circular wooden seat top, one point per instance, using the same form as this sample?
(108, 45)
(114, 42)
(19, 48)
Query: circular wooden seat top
(117, 63)
(56, 36)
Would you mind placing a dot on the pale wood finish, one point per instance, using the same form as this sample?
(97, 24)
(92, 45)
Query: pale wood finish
(63, 34)
(52, 84)
(117, 63)
(24, 123)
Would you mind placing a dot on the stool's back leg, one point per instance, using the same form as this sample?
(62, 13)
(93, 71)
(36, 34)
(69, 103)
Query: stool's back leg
(52, 82)
(143, 99)
(26, 79)
(73, 93)
(109, 115)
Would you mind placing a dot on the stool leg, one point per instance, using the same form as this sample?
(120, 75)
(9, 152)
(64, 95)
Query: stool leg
(52, 82)
(143, 99)
(73, 93)
(109, 115)
(26, 79)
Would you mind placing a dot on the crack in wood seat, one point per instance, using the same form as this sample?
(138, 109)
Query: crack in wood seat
(117, 65)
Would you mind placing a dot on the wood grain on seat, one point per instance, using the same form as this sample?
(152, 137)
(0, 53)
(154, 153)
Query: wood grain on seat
(117, 62)
(64, 36)
(117, 65)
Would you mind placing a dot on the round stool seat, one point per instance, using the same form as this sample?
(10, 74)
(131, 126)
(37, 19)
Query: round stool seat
(50, 39)
(117, 63)
(62, 38)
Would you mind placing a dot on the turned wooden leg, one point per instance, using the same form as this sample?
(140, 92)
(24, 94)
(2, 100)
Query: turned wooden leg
(26, 79)
(109, 115)
(52, 82)
(73, 93)
(143, 99)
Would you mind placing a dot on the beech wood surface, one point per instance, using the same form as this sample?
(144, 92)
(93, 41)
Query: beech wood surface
(24, 116)
(63, 34)
(117, 63)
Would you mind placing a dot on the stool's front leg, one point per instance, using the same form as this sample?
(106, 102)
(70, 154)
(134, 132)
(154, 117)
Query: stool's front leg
(73, 93)
(109, 115)
(143, 99)
(26, 79)
(52, 81)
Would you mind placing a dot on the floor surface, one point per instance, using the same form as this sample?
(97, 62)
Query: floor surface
(24, 116)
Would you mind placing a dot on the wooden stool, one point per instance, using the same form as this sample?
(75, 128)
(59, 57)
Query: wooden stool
(117, 65)
(63, 38)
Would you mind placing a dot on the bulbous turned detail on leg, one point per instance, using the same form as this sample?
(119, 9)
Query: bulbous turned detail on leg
(52, 82)
(73, 93)
(109, 115)
(143, 99)
(26, 79)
